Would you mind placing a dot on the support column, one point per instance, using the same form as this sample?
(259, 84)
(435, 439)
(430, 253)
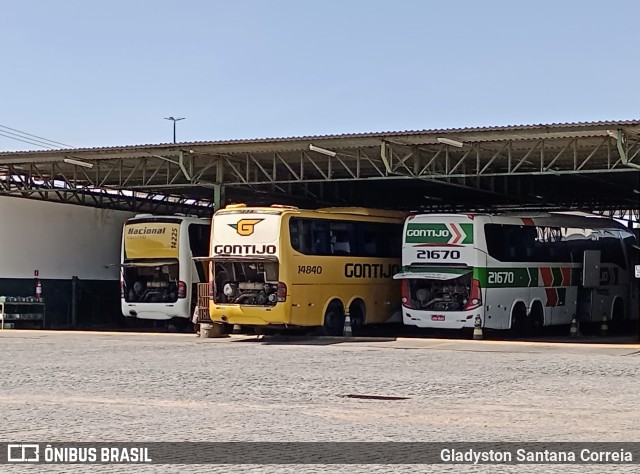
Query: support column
(219, 199)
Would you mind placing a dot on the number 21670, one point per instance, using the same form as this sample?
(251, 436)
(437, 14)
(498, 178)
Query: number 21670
(438, 254)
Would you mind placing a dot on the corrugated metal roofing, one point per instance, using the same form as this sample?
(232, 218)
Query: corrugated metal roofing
(346, 136)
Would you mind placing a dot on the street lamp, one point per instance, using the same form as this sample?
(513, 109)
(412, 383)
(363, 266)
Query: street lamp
(174, 125)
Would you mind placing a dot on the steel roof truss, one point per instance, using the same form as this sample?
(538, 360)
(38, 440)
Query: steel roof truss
(197, 177)
(368, 158)
(494, 157)
(462, 160)
(559, 154)
(524, 158)
(430, 162)
(133, 170)
(296, 175)
(260, 167)
(322, 173)
(401, 161)
(592, 154)
(106, 177)
(344, 165)
(236, 171)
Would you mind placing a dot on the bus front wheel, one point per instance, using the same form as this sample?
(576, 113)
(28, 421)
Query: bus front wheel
(333, 320)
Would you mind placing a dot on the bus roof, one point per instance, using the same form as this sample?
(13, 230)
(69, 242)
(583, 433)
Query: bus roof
(363, 211)
(240, 208)
(166, 218)
(280, 209)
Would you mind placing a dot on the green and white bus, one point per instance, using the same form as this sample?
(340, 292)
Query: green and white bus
(516, 271)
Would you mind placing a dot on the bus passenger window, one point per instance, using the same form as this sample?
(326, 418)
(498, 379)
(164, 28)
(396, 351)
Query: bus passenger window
(294, 234)
(369, 246)
(340, 241)
(341, 247)
(320, 238)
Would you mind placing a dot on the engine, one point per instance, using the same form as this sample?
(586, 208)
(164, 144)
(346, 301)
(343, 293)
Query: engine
(442, 298)
(152, 292)
(258, 294)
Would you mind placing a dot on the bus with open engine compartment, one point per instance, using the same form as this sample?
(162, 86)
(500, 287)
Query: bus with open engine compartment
(159, 274)
(516, 271)
(280, 267)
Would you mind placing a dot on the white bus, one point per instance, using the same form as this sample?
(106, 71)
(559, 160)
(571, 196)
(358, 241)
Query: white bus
(516, 272)
(159, 276)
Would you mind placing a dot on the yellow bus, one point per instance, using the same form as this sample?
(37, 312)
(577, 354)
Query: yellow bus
(280, 267)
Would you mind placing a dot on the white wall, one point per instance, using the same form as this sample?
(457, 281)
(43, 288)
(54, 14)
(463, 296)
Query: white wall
(59, 240)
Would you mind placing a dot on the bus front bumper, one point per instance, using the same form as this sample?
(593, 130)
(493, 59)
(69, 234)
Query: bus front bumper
(155, 311)
(439, 319)
(249, 315)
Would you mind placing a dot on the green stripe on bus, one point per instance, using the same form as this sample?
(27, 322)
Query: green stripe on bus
(505, 277)
(533, 275)
(498, 277)
(468, 231)
(428, 233)
(439, 233)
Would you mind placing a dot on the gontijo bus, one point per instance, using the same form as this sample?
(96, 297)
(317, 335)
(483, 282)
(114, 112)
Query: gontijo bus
(280, 266)
(516, 272)
(159, 275)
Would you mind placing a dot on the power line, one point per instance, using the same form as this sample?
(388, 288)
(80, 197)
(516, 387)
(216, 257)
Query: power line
(35, 136)
(33, 141)
(28, 141)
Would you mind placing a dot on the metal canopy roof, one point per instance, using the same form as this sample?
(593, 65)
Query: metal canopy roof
(590, 166)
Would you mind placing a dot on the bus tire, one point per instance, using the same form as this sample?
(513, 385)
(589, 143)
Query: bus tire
(181, 325)
(357, 312)
(518, 320)
(333, 320)
(536, 319)
(617, 315)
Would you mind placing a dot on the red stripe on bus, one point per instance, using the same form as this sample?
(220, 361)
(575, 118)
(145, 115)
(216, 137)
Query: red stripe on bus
(547, 276)
(527, 221)
(566, 276)
(552, 296)
(458, 234)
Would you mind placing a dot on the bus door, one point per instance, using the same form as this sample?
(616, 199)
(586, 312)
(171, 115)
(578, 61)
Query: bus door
(590, 283)
(477, 286)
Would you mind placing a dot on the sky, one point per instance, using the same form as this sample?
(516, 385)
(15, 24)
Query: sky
(108, 72)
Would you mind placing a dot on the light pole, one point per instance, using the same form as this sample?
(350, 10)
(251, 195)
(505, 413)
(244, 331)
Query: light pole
(174, 125)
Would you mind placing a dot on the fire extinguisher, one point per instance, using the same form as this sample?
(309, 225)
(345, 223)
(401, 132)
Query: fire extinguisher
(38, 289)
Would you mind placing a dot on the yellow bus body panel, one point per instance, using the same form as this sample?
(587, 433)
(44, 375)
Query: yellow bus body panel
(250, 315)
